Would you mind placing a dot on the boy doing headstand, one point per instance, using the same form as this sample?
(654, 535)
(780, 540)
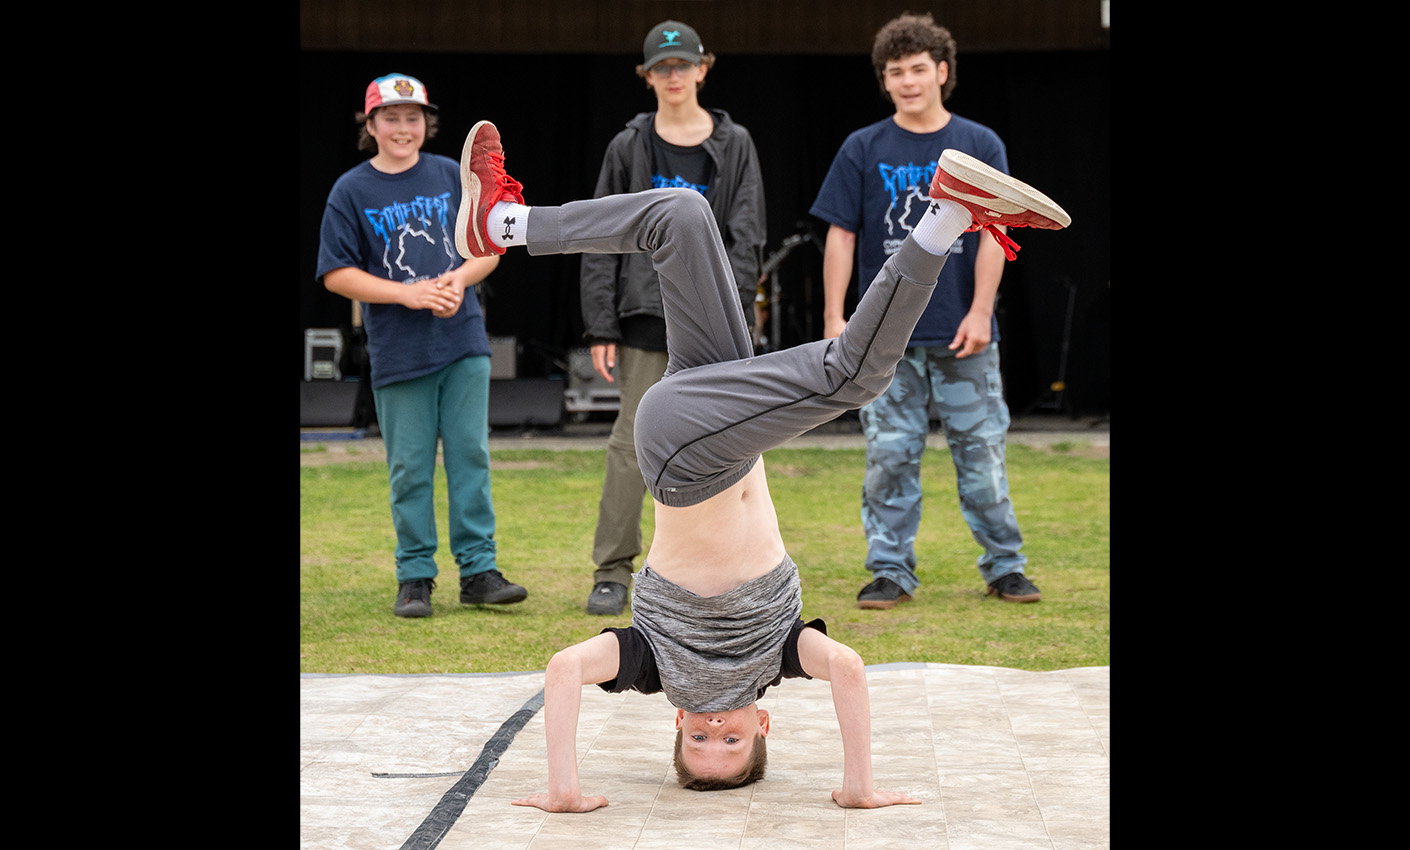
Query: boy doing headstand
(717, 604)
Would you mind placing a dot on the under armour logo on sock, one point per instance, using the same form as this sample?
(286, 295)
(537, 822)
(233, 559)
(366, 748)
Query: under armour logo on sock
(934, 208)
(508, 234)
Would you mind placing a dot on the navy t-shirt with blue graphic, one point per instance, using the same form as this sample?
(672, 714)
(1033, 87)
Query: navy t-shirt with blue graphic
(878, 187)
(402, 227)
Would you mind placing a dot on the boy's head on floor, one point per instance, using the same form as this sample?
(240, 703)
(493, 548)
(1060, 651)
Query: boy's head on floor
(721, 749)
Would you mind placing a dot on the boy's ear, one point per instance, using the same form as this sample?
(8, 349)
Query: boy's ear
(764, 722)
(680, 715)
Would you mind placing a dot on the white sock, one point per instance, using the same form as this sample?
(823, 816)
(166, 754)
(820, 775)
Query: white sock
(941, 225)
(508, 224)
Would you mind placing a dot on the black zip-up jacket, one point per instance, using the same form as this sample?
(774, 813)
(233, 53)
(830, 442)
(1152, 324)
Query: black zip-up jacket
(616, 286)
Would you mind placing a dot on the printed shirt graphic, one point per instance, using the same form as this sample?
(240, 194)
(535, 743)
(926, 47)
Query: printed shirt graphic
(402, 227)
(676, 166)
(878, 187)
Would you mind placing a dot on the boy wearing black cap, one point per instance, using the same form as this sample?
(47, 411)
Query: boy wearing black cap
(388, 241)
(680, 144)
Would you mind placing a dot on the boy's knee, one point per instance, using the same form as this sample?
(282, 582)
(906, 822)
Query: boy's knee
(682, 201)
(865, 389)
(859, 389)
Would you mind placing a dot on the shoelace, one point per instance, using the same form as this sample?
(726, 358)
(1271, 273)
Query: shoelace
(507, 186)
(493, 578)
(1009, 582)
(1010, 247)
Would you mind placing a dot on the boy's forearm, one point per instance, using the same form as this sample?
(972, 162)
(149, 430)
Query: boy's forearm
(358, 285)
(841, 666)
(824, 658)
(562, 696)
(593, 660)
(853, 706)
(475, 270)
(840, 247)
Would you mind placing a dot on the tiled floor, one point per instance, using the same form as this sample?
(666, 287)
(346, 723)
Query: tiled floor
(1001, 759)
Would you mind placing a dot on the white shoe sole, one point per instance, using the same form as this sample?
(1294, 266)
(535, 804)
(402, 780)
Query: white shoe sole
(469, 200)
(1011, 196)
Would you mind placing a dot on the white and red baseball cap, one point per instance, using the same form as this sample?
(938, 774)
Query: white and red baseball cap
(393, 89)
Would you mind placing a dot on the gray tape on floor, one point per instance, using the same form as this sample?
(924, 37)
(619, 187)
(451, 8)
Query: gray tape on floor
(447, 811)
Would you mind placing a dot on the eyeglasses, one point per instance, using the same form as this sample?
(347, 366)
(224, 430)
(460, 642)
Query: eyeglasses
(661, 69)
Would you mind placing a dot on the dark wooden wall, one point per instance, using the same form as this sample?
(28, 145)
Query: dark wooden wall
(734, 26)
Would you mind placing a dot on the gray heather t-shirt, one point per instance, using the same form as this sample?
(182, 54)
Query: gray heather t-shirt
(715, 653)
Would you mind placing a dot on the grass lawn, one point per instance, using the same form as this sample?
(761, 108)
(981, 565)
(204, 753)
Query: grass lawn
(546, 508)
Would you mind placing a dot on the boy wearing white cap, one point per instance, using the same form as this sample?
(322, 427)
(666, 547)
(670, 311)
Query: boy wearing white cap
(388, 241)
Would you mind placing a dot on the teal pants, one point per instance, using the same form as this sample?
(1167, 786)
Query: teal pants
(452, 404)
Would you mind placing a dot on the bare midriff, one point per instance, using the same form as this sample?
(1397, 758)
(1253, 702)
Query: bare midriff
(721, 543)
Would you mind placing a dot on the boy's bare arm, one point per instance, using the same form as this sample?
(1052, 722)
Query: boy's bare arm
(836, 663)
(592, 661)
(358, 285)
(839, 249)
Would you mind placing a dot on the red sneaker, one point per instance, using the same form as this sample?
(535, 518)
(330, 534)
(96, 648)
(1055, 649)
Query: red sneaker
(483, 183)
(994, 198)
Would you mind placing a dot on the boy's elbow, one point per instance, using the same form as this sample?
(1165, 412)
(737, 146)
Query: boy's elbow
(561, 662)
(565, 667)
(335, 280)
(846, 661)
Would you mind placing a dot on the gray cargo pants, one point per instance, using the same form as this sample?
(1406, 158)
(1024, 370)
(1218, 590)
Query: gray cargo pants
(718, 408)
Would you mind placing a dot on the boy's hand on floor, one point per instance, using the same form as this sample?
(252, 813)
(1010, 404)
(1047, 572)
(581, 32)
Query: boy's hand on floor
(576, 803)
(876, 800)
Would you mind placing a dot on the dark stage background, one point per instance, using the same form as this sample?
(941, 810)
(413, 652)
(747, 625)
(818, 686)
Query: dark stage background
(557, 110)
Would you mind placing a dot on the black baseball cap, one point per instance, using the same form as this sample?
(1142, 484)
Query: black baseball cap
(671, 40)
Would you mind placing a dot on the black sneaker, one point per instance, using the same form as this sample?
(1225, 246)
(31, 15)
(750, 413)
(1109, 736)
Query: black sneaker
(414, 598)
(1014, 587)
(882, 593)
(490, 588)
(608, 598)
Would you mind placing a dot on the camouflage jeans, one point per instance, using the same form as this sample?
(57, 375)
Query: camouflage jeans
(968, 395)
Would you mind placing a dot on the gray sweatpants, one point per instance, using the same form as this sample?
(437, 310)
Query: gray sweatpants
(718, 408)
